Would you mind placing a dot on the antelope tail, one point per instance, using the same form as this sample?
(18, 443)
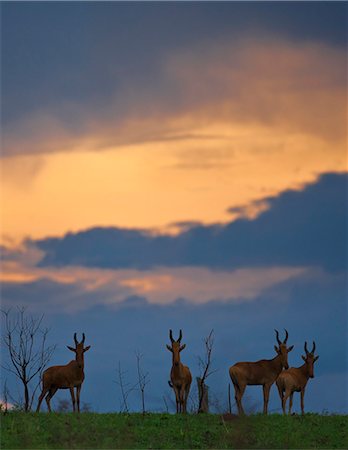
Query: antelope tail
(170, 383)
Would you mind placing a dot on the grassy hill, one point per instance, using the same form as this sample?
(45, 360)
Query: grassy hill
(91, 430)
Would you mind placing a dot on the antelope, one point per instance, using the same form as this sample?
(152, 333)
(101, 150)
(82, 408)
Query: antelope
(263, 372)
(65, 377)
(180, 375)
(295, 379)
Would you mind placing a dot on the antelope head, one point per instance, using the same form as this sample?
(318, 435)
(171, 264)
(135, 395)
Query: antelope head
(79, 349)
(310, 359)
(282, 349)
(175, 347)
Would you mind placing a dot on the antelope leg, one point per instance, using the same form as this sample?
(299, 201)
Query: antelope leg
(42, 395)
(302, 400)
(266, 389)
(239, 390)
(50, 394)
(72, 397)
(78, 390)
(290, 402)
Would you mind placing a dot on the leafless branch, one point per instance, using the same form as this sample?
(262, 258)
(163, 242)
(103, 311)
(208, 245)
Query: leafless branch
(125, 387)
(205, 370)
(142, 379)
(28, 352)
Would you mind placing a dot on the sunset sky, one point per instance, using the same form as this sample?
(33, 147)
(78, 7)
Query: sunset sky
(178, 165)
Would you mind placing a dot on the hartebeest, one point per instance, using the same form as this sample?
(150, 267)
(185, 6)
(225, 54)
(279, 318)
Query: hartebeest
(295, 379)
(65, 377)
(263, 372)
(180, 375)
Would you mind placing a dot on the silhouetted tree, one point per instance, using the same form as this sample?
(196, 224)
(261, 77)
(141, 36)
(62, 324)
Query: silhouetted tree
(25, 340)
(205, 371)
(125, 387)
(142, 379)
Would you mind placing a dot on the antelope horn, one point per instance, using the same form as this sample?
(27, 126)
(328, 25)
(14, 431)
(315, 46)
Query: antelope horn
(305, 347)
(171, 336)
(277, 336)
(83, 338)
(286, 336)
(313, 350)
(75, 339)
(180, 336)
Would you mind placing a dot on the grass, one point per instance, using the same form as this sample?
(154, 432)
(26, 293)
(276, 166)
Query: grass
(98, 431)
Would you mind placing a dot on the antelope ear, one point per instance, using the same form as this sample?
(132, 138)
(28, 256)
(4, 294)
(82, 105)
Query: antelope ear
(169, 348)
(317, 357)
(276, 349)
(72, 349)
(87, 348)
(304, 358)
(290, 348)
(182, 347)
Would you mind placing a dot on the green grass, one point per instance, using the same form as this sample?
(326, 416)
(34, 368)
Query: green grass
(90, 430)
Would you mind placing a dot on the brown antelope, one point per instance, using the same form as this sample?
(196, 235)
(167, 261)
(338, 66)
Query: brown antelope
(65, 377)
(263, 372)
(295, 379)
(180, 375)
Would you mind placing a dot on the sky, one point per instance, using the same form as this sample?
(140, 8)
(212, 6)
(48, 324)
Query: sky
(177, 165)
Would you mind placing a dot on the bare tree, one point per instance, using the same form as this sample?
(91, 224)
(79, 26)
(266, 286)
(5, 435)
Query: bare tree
(142, 379)
(125, 387)
(25, 340)
(205, 371)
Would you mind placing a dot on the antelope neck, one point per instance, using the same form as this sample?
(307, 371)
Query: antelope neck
(80, 361)
(177, 369)
(277, 363)
(305, 370)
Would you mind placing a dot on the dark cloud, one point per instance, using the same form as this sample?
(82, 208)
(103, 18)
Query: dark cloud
(42, 294)
(63, 56)
(311, 307)
(300, 228)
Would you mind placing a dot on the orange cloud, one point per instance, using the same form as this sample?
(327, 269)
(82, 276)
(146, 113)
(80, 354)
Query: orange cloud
(252, 119)
(160, 286)
(201, 285)
(153, 185)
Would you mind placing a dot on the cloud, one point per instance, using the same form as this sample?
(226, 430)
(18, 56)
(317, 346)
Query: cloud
(237, 81)
(301, 228)
(219, 124)
(153, 185)
(79, 288)
(33, 76)
(221, 81)
(311, 306)
(217, 118)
